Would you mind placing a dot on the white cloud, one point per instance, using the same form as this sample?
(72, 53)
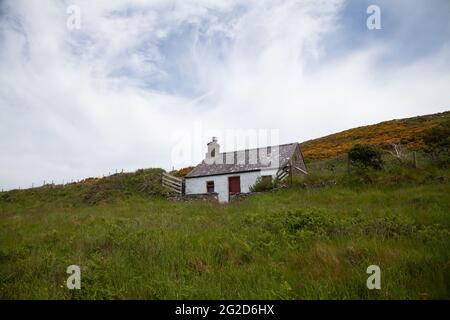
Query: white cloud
(86, 102)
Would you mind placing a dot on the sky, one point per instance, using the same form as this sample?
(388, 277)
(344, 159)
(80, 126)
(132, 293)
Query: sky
(138, 84)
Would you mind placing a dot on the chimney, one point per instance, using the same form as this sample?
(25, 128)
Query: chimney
(213, 148)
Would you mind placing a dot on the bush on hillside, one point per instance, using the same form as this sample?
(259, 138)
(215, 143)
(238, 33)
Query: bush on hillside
(365, 156)
(262, 184)
(437, 144)
(182, 172)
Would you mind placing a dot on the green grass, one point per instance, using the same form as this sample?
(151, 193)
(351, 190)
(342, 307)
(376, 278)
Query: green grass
(296, 243)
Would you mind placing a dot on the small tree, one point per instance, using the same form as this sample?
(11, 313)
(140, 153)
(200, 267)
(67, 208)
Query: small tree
(365, 156)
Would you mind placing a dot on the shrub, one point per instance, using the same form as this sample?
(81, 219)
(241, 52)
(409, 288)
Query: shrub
(437, 140)
(291, 223)
(314, 220)
(182, 172)
(365, 156)
(262, 184)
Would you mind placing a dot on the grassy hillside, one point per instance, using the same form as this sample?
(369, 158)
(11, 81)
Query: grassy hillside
(90, 191)
(314, 239)
(405, 131)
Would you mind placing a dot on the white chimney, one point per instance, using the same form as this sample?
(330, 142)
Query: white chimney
(213, 148)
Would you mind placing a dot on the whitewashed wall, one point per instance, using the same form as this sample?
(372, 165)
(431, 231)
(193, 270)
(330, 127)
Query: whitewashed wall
(198, 185)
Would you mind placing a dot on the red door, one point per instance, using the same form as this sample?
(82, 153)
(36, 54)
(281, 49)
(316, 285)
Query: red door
(234, 185)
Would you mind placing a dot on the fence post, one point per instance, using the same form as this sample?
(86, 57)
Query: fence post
(414, 159)
(348, 163)
(291, 172)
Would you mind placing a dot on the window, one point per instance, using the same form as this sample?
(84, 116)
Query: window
(266, 178)
(209, 186)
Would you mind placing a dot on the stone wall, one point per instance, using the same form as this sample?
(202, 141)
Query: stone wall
(240, 196)
(213, 197)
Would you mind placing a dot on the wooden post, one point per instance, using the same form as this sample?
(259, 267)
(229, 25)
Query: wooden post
(414, 159)
(348, 163)
(291, 171)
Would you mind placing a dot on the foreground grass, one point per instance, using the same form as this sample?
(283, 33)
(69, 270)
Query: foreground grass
(292, 244)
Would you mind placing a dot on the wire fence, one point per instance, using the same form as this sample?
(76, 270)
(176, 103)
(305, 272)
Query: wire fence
(64, 182)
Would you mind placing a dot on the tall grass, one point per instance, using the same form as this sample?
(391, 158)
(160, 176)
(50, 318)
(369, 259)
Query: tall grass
(296, 243)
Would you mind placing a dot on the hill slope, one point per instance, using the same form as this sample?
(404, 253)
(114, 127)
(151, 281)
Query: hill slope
(292, 244)
(313, 239)
(90, 191)
(405, 131)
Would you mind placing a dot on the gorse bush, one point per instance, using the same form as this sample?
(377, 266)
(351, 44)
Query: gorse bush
(437, 140)
(365, 156)
(182, 172)
(438, 137)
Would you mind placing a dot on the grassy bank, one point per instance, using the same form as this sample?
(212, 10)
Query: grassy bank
(297, 243)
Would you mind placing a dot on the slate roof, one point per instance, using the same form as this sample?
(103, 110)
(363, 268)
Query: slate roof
(245, 160)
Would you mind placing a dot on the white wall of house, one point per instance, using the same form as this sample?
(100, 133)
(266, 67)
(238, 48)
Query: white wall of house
(198, 185)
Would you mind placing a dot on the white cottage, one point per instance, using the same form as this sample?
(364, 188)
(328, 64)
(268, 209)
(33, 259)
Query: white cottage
(229, 173)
